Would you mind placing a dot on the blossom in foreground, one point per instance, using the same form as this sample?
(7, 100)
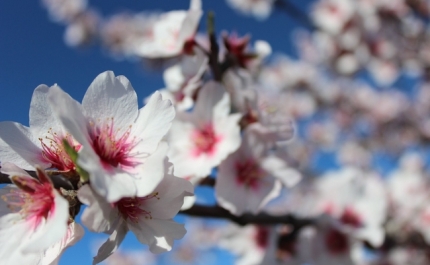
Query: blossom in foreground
(35, 216)
(201, 139)
(121, 147)
(148, 217)
(249, 178)
(41, 143)
(171, 32)
(52, 255)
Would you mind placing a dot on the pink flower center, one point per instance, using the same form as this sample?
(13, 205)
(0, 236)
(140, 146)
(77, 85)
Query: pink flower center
(205, 140)
(132, 208)
(34, 206)
(262, 237)
(53, 150)
(351, 217)
(248, 173)
(115, 147)
(336, 242)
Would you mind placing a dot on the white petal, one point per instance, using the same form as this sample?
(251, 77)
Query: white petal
(152, 171)
(53, 229)
(171, 192)
(41, 116)
(69, 111)
(112, 183)
(153, 122)
(13, 170)
(20, 140)
(8, 154)
(212, 102)
(99, 216)
(13, 232)
(112, 244)
(158, 234)
(53, 254)
(111, 97)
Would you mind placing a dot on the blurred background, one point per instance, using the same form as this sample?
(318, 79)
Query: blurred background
(353, 75)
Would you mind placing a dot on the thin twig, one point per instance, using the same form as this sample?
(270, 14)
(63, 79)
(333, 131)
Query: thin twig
(260, 219)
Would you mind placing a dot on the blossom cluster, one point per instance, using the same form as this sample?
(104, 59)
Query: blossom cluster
(291, 147)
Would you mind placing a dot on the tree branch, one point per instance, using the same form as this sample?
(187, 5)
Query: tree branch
(260, 219)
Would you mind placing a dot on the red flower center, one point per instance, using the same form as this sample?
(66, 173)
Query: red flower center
(114, 147)
(205, 140)
(248, 173)
(53, 150)
(133, 208)
(336, 242)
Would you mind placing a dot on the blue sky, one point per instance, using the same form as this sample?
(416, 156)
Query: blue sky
(32, 52)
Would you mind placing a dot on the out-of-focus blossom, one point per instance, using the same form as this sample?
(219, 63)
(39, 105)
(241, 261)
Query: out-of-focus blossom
(331, 15)
(170, 32)
(248, 243)
(201, 139)
(359, 203)
(65, 10)
(83, 30)
(260, 9)
(249, 178)
(182, 80)
(325, 244)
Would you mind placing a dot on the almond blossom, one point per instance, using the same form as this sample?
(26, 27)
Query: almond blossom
(182, 80)
(359, 203)
(52, 255)
(201, 139)
(41, 143)
(326, 244)
(35, 219)
(249, 178)
(171, 32)
(148, 217)
(121, 147)
(261, 9)
(249, 243)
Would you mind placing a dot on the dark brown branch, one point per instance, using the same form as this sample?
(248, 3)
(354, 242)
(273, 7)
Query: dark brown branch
(207, 181)
(214, 50)
(260, 219)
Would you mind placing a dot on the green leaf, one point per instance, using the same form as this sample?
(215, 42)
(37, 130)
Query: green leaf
(74, 156)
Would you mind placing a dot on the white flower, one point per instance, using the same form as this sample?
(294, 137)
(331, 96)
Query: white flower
(249, 178)
(170, 33)
(260, 9)
(332, 15)
(201, 139)
(38, 217)
(183, 79)
(121, 147)
(52, 255)
(41, 143)
(359, 203)
(249, 243)
(148, 217)
(325, 244)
